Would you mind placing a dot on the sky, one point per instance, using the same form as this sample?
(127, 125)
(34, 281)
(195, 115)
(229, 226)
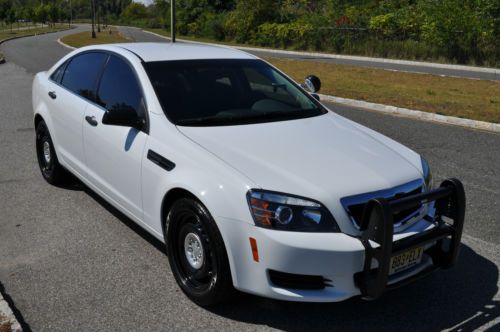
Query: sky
(146, 2)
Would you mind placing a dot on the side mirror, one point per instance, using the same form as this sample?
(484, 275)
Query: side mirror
(312, 83)
(123, 116)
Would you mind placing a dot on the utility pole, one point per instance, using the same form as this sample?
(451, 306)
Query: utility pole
(172, 20)
(70, 13)
(93, 18)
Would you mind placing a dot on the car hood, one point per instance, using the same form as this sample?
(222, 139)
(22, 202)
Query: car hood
(324, 157)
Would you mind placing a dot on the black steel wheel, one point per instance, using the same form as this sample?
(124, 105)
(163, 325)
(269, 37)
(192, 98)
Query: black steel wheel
(196, 253)
(49, 165)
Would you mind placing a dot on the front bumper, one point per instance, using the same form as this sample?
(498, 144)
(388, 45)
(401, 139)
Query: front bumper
(349, 266)
(377, 238)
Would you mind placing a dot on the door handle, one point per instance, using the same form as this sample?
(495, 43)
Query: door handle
(91, 120)
(52, 94)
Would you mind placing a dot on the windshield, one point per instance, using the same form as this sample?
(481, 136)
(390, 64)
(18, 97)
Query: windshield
(227, 92)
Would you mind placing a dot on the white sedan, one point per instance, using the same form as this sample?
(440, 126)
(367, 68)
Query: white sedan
(247, 178)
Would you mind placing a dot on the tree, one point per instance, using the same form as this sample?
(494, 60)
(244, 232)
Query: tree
(52, 13)
(11, 17)
(29, 13)
(134, 11)
(41, 14)
(5, 6)
(162, 10)
(248, 15)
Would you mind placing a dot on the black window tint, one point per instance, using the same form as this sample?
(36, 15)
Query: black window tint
(119, 88)
(81, 73)
(227, 92)
(58, 73)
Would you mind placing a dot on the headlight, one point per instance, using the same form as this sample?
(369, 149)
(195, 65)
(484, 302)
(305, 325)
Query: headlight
(427, 174)
(289, 213)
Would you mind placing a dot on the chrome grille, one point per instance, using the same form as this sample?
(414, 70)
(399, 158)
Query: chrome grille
(355, 205)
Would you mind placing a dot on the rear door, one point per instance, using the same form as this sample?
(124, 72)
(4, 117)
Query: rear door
(114, 153)
(71, 87)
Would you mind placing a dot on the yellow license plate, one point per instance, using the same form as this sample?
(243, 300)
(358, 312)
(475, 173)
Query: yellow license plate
(406, 260)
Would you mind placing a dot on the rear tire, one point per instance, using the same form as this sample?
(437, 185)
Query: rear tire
(197, 254)
(49, 165)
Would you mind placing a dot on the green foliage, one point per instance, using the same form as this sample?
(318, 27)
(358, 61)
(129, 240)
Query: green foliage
(10, 16)
(52, 12)
(41, 13)
(243, 22)
(283, 34)
(5, 6)
(134, 11)
(461, 31)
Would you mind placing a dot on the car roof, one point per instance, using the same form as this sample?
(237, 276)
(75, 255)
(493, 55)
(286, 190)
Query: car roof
(150, 52)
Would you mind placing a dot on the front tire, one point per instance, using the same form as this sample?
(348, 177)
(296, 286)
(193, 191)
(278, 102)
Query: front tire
(49, 165)
(197, 254)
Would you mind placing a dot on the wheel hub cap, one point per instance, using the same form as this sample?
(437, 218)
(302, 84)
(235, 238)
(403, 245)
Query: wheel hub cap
(46, 152)
(193, 250)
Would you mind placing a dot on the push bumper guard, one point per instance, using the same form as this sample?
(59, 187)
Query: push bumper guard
(377, 226)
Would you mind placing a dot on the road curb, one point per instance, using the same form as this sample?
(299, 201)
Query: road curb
(2, 59)
(414, 114)
(32, 35)
(8, 321)
(65, 45)
(348, 57)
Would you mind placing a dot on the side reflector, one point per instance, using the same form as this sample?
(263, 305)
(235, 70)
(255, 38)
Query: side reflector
(255, 251)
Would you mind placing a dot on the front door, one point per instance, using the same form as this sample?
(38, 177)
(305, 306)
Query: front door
(114, 153)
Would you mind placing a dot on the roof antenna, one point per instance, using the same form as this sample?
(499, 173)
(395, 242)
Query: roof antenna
(172, 20)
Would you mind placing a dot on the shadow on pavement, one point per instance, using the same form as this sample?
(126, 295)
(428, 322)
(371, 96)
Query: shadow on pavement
(459, 299)
(77, 185)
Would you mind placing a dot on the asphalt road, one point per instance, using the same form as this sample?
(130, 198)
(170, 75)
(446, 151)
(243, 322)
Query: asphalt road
(69, 261)
(421, 69)
(37, 53)
(29, 56)
(138, 35)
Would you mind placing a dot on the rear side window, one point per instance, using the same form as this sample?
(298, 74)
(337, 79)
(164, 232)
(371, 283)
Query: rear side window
(82, 72)
(119, 88)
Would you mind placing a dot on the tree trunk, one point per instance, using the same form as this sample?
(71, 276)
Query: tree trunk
(93, 19)
(98, 18)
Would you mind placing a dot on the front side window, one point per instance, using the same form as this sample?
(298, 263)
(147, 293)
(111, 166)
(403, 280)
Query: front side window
(227, 92)
(119, 89)
(81, 73)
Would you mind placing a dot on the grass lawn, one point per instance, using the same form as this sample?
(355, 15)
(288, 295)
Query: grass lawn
(460, 97)
(85, 38)
(6, 33)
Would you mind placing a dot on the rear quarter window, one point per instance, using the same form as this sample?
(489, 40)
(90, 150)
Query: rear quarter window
(58, 73)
